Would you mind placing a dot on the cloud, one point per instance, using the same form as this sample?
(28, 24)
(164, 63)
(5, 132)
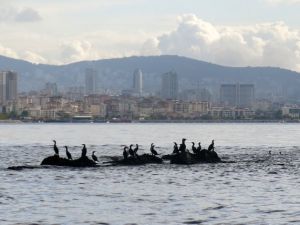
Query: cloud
(289, 2)
(266, 44)
(33, 57)
(7, 52)
(24, 55)
(12, 14)
(28, 15)
(76, 50)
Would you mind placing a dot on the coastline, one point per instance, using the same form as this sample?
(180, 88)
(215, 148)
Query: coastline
(147, 121)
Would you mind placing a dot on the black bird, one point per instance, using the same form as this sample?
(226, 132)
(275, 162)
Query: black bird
(125, 153)
(55, 148)
(175, 148)
(211, 147)
(94, 157)
(182, 147)
(270, 152)
(199, 147)
(131, 152)
(280, 153)
(136, 149)
(68, 153)
(83, 151)
(153, 151)
(194, 148)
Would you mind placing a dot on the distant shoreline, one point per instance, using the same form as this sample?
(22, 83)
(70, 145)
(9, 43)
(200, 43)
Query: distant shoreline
(151, 121)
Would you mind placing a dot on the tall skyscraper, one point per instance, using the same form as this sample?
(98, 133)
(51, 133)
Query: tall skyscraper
(169, 85)
(8, 87)
(90, 81)
(138, 82)
(51, 89)
(237, 95)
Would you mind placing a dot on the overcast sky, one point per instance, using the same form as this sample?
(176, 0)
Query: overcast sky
(228, 32)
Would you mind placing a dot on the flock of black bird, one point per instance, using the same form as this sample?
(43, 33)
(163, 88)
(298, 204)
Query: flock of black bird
(130, 152)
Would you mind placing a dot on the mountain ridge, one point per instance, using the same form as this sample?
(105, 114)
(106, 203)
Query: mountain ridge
(116, 74)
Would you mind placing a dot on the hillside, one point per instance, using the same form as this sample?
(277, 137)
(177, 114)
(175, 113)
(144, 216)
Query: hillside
(116, 74)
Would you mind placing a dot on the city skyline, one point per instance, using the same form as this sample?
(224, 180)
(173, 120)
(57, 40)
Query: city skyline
(201, 30)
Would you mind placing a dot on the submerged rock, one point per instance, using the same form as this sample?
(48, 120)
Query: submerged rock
(204, 156)
(57, 161)
(139, 160)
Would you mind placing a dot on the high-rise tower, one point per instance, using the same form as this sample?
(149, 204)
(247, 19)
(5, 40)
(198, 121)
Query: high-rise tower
(169, 85)
(138, 82)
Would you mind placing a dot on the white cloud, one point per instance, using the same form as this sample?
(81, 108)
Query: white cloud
(33, 57)
(276, 2)
(77, 50)
(7, 52)
(266, 44)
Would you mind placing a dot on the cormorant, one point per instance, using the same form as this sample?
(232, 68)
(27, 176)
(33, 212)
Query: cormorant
(211, 147)
(131, 152)
(83, 151)
(55, 148)
(194, 148)
(270, 152)
(125, 153)
(136, 149)
(68, 153)
(175, 148)
(94, 157)
(153, 152)
(182, 147)
(280, 153)
(199, 147)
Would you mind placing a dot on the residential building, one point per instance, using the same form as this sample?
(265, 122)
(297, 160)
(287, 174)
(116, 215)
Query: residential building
(169, 86)
(237, 95)
(90, 81)
(8, 87)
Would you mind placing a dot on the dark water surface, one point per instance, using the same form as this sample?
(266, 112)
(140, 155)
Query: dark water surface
(257, 189)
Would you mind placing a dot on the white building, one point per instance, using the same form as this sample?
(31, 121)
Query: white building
(138, 82)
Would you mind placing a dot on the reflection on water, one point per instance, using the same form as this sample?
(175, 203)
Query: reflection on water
(258, 189)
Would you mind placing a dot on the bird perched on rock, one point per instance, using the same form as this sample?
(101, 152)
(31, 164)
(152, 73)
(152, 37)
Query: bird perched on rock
(175, 148)
(94, 157)
(136, 149)
(131, 152)
(83, 151)
(125, 153)
(153, 151)
(55, 148)
(211, 147)
(68, 153)
(194, 149)
(199, 147)
(182, 146)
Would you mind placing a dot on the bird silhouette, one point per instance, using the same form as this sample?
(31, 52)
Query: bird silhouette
(199, 147)
(83, 151)
(194, 149)
(153, 151)
(211, 147)
(136, 149)
(68, 153)
(94, 157)
(125, 153)
(55, 148)
(175, 148)
(131, 152)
